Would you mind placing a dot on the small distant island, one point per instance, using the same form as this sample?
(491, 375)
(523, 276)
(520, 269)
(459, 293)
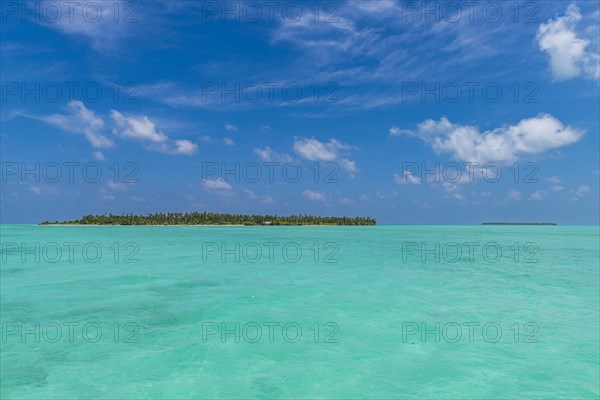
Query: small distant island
(519, 223)
(206, 218)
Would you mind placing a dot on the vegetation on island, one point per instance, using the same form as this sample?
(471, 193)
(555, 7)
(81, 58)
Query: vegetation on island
(206, 218)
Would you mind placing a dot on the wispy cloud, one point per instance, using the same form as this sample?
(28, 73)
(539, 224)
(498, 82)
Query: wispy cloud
(78, 119)
(104, 24)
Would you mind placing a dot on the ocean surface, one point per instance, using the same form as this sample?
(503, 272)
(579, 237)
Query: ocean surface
(421, 312)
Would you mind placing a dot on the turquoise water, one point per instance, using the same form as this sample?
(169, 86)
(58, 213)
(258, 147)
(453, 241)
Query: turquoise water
(154, 315)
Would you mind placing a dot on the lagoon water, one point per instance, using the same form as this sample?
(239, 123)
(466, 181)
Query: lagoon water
(441, 312)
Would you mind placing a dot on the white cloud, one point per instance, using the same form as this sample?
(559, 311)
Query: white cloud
(507, 143)
(396, 131)
(540, 194)
(315, 196)
(582, 190)
(568, 55)
(458, 196)
(217, 184)
(231, 127)
(315, 150)
(268, 155)
(106, 195)
(451, 187)
(537, 195)
(553, 179)
(386, 195)
(185, 147)
(377, 7)
(266, 199)
(117, 186)
(137, 128)
(80, 120)
(407, 179)
(141, 128)
(349, 166)
(513, 195)
(228, 141)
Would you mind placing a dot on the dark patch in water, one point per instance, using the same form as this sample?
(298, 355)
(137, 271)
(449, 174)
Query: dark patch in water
(266, 388)
(30, 375)
(7, 273)
(179, 288)
(195, 284)
(18, 310)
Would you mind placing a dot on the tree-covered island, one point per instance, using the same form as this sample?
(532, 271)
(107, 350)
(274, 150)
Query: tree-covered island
(206, 218)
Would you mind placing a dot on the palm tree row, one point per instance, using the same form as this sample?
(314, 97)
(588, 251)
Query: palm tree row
(206, 218)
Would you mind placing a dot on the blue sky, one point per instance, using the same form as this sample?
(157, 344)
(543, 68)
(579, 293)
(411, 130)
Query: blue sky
(167, 99)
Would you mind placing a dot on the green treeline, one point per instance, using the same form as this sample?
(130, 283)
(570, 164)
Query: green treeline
(206, 218)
